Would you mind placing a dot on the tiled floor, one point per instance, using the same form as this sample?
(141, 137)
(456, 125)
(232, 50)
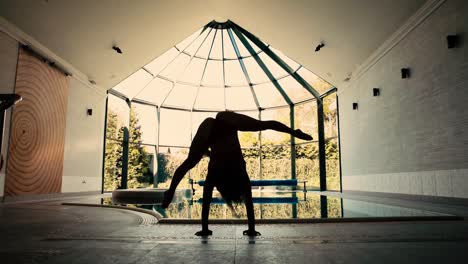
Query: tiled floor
(48, 232)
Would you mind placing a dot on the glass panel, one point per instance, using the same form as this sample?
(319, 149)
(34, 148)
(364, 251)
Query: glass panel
(242, 50)
(112, 165)
(213, 74)
(182, 96)
(206, 46)
(272, 66)
(140, 166)
(229, 52)
(134, 83)
(249, 139)
(217, 50)
(294, 90)
(306, 119)
(307, 164)
(316, 82)
(268, 95)
(175, 133)
(276, 162)
(194, 71)
(143, 124)
(330, 112)
(117, 116)
(240, 98)
(176, 68)
(291, 63)
(234, 74)
(186, 42)
(195, 46)
(252, 161)
(256, 74)
(155, 91)
(158, 64)
(275, 137)
(169, 158)
(210, 98)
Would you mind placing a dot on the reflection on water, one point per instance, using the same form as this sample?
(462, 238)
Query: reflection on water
(280, 205)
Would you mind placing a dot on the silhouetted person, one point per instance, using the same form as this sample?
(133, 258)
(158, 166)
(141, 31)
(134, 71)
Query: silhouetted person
(226, 169)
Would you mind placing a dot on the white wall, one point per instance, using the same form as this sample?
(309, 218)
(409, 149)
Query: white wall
(83, 139)
(8, 61)
(412, 139)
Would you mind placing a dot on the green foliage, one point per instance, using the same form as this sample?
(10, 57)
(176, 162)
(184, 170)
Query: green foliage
(139, 174)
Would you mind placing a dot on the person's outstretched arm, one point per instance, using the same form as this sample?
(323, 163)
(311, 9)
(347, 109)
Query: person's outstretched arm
(246, 123)
(250, 212)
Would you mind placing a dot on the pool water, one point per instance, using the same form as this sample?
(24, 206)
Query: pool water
(281, 205)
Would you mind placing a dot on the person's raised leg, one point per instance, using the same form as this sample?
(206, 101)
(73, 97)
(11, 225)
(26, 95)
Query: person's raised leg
(198, 147)
(246, 123)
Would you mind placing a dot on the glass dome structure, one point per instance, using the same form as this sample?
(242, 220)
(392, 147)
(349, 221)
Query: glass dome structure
(156, 111)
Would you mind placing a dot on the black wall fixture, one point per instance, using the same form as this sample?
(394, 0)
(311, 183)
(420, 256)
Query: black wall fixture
(405, 73)
(89, 111)
(355, 106)
(117, 49)
(376, 91)
(321, 45)
(453, 41)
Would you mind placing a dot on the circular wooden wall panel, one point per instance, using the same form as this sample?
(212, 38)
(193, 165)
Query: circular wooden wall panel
(37, 135)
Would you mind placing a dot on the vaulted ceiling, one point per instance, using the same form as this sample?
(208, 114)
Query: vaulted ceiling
(83, 32)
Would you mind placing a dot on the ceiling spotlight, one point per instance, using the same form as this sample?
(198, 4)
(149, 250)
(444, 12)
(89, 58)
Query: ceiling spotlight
(117, 49)
(321, 45)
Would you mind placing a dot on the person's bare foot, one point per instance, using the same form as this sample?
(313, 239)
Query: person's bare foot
(204, 233)
(299, 134)
(251, 233)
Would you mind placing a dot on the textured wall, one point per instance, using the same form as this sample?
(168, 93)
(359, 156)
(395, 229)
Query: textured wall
(84, 139)
(8, 60)
(35, 160)
(413, 138)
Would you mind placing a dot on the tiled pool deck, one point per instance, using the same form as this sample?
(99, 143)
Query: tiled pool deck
(49, 232)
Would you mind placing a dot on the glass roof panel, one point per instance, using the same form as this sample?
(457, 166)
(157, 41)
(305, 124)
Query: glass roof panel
(174, 133)
(134, 83)
(256, 74)
(276, 70)
(195, 46)
(206, 46)
(213, 78)
(210, 99)
(194, 71)
(158, 64)
(155, 91)
(290, 62)
(181, 96)
(268, 95)
(188, 41)
(240, 98)
(213, 74)
(234, 74)
(177, 67)
(318, 83)
(242, 49)
(217, 50)
(229, 52)
(295, 91)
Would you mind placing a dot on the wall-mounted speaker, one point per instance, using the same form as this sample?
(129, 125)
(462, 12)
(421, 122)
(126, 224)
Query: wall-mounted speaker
(453, 41)
(376, 91)
(405, 73)
(355, 106)
(89, 111)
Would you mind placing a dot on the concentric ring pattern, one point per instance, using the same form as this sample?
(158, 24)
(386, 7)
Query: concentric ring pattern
(37, 136)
